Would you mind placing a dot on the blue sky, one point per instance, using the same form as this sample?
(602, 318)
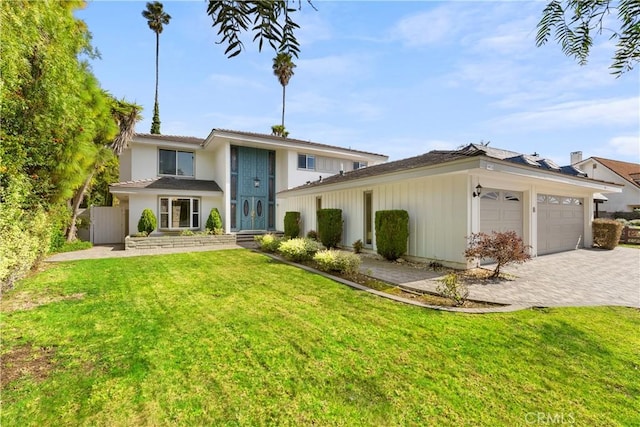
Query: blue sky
(397, 78)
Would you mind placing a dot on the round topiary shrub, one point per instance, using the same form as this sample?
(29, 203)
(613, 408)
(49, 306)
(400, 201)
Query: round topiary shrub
(214, 222)
(147, 222)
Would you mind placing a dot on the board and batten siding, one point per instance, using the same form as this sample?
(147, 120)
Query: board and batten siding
(437, 208)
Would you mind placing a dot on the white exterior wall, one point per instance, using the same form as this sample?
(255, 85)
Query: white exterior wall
(618, 202)
(125, 165)
(144, 161)
(437, 208)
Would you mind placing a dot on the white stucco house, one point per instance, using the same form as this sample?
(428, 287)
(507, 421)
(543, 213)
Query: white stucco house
(451, 194)
(253, 179)
(623, 173)
(182, 178)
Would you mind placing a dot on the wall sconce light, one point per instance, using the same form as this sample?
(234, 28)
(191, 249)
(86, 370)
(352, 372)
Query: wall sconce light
(478, 191)
(256, 182)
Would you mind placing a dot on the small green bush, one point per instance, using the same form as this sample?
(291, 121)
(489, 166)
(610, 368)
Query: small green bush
(357, 246)
(622, 221)
(292, 224)
(298, 249)
(187, 233)
(147, 222)
(392, 233)
(340, 261)
(312, 234)
(214, 222)
(77, 245)
(606, 233)
(635, 222)
(330, 227)
(268, 242)
(450, 287)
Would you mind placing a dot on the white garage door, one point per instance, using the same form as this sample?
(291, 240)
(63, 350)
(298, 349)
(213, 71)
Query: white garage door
(560, 223)
(501, 210)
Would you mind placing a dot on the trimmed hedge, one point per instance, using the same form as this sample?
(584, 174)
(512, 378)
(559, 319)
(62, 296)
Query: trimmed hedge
(330, 227)
(606, 233)
(292, 224)
(147, 222)
(392, 233)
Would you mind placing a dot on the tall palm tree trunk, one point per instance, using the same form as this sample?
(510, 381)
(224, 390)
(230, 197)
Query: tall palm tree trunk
(157, 54)
(283, 97)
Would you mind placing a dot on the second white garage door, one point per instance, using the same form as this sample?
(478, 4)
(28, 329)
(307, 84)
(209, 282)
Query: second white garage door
(560, 223)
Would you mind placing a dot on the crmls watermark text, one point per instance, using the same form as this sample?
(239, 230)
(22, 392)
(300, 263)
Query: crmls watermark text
(549, 418)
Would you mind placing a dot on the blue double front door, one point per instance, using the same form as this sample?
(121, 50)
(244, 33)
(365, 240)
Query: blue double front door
(255, 177)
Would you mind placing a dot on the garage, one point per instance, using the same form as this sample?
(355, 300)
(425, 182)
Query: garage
(501, 210)
(560, 223)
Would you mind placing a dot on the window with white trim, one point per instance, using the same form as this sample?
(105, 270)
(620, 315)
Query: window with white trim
(179, 213)
(175, 162)
(306, 161)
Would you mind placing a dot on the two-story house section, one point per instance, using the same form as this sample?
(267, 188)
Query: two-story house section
(182, 178)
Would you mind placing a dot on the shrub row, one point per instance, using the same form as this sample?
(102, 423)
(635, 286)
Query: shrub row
(298, 249)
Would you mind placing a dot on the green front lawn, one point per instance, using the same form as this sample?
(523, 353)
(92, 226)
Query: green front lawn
(234, 338)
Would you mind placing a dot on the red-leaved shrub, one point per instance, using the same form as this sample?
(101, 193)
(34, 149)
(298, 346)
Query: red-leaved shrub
(503, 248)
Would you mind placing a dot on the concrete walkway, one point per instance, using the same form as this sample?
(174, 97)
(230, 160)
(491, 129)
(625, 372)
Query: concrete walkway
(584, 277)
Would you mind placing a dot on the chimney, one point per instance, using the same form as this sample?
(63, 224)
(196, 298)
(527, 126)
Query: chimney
(576, 157)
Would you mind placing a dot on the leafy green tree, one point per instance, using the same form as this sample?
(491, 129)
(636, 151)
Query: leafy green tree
(156, 18)
(119, 129)
(52, 110)
(574, 22)
(283, 69)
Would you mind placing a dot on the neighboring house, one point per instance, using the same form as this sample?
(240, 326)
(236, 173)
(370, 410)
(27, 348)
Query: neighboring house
(624, 173)
(182, 178)
(451, 194)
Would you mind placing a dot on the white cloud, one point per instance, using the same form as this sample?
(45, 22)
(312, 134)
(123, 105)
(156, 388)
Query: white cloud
(425, 28)
(583, 114)
(626, 146)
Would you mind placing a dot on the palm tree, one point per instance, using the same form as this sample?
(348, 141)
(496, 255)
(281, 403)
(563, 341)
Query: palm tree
(283, 69)
(156, 18)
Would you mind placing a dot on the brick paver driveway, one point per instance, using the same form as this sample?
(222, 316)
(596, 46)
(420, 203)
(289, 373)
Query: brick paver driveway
(576, 278)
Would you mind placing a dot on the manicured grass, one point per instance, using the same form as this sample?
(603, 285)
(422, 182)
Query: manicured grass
(78, 245)
(234, 338)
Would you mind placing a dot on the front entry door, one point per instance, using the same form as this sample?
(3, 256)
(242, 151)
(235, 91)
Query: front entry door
(253, 212)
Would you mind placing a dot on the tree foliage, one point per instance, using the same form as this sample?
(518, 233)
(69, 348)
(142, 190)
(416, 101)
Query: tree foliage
(503, 248)
(53, 114)
(574, 22)
(268, 21)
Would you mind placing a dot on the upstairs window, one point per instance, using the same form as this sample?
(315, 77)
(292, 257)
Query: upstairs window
(359, 165)
(174, 162)
(306, 162)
